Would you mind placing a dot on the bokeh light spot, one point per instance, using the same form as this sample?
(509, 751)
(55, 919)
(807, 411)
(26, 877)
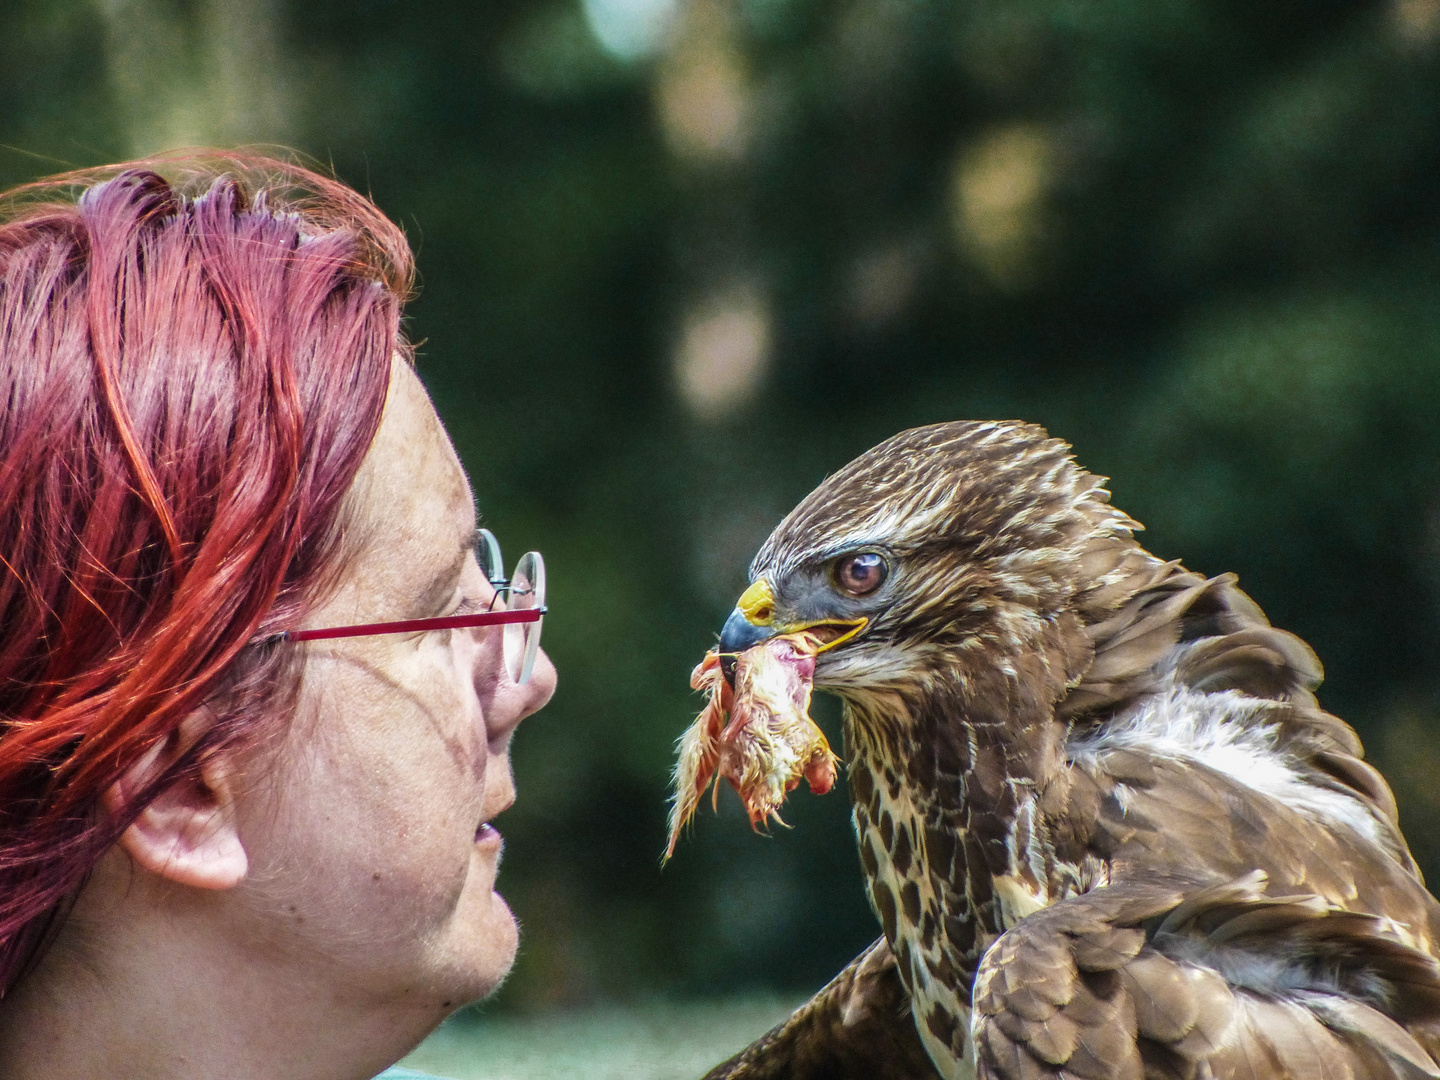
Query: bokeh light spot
(701, 94)
(630, 29)
(1417, 21)
(998, 191)
(723, 353)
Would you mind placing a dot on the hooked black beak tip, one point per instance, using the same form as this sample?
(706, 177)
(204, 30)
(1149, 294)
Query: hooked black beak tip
(737, 635)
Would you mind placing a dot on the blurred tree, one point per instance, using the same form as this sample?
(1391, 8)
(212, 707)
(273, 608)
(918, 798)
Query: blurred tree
(680, 258)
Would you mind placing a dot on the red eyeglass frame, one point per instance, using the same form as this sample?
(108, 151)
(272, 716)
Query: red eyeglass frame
(441, 622)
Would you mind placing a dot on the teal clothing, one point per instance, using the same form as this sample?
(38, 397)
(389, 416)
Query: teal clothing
(397, 1073)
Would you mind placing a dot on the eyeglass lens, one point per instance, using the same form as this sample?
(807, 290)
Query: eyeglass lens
(487, 551)
(524, 590)
(522, 640)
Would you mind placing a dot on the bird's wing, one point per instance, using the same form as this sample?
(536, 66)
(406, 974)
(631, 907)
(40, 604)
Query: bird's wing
(1144, 979)
(858, 1027)
(1154, 626)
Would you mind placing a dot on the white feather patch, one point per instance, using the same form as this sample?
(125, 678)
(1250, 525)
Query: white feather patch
(1226, 731)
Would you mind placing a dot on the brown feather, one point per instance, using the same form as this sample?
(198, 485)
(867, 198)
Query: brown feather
(857, 1026)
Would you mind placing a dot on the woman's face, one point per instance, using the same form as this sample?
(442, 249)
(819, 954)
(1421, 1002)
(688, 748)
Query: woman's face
(376, 859)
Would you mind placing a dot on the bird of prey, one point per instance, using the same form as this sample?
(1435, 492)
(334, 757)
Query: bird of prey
(1107, 829)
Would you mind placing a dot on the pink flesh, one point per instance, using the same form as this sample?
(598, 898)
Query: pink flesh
(759, 736)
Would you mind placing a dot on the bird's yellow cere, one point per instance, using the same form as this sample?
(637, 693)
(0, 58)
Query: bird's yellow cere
(758, 735)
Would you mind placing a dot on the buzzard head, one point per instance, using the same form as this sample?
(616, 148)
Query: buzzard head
(941, 585)
(944, 557)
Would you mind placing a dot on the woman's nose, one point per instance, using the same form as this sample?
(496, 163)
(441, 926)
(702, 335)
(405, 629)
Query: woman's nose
(511, 703)
(541, 685)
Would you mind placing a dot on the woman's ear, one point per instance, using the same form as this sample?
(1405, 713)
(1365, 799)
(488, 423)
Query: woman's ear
(188, 834)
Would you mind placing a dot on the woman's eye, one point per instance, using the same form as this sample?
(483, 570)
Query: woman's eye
(861, 574)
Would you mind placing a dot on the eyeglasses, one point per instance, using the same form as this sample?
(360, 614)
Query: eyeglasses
(525, 610)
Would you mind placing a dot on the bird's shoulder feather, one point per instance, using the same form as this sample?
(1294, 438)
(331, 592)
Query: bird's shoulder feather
(1158, 630)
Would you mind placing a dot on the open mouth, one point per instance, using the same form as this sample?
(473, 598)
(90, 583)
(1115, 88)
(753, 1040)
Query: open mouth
(824, 634)
(833, 632)
(488, 834)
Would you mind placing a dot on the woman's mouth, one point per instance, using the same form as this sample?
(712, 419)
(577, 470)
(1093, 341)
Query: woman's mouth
(488, 836)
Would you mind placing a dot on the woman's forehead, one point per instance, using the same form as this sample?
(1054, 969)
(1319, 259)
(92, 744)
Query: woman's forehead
(414, 514)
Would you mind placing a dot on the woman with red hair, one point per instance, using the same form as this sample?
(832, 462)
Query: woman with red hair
(256, 696)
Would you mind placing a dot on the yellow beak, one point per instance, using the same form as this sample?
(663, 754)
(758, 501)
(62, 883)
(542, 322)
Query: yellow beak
(757, 604)
(756, 608)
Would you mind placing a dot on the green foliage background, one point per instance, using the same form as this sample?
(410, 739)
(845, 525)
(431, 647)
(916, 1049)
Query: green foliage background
(1196, 238)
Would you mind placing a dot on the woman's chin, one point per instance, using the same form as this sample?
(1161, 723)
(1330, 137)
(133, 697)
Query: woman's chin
(487, 939)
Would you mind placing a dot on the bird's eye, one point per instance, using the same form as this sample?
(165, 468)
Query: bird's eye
(862, 573)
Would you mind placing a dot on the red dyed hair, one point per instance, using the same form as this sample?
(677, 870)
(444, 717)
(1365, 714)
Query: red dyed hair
(191, 370)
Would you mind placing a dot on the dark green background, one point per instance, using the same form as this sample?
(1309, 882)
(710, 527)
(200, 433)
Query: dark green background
(1196, 239)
